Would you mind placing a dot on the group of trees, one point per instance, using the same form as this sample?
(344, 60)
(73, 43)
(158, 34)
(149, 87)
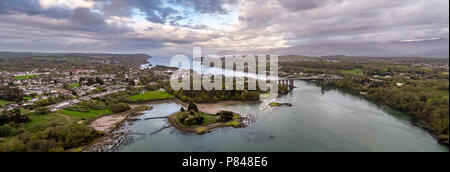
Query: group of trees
(190, 117)
(192, 107)
(42, 110)
(431, 107)
(204, 96)
(119, 107)
(426, 100)
(121, 96)
(152, 87)
(13, 116)
(9, 120)
(49, 101)
(315, 67)
(53, 139)
(8, 130)
(91, 80)
(225, 116)
(11, 93)
(423, 93)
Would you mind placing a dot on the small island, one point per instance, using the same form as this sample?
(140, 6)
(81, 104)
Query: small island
(194, 121)
(277, 104)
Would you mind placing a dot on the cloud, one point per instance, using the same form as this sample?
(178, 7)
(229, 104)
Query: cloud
(83, 16)
(226, 26)
(212, 6)
(19, 6)
(295, 5)
(32, 8)
(153, 9)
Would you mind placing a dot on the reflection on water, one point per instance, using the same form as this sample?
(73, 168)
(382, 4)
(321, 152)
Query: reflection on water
(332, 121)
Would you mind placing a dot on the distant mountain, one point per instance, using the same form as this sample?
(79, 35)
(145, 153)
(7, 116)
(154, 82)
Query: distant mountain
(32, 54)
(16, 61)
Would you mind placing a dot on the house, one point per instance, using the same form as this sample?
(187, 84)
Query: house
(369, 84)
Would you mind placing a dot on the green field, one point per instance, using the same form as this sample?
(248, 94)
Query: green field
(86, 116)
(41, 122)
(27, 98)
(152, 95)
(74, 86)
(3, 103)
(264, 96)
(25, 77)
(353, 72)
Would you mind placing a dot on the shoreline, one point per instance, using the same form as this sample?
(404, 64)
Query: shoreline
(113, 138)
(415, 121)
(111, 123)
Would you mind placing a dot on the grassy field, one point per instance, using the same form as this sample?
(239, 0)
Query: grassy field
(233, 123)
(85, 116)
(41, 122)
(25, 77)
(27, 98)
(152, 95)
(74, 86)
(4, 102)
(353, 72)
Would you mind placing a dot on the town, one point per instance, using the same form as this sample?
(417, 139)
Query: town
(73, 86)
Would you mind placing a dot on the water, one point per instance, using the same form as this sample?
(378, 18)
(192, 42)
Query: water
(208, 70)
(329, 121)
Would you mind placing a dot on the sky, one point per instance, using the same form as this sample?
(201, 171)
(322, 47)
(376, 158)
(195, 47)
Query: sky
(227, 27)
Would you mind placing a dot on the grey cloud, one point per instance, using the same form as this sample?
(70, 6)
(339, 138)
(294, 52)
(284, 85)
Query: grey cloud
(296, 5)
(153, 8)
(19, 6)
(83, 16)
(32, 7)
(156, 12)
(435, 48)
(19, 38)
(58, 13)
(114, 7)
(211, 6)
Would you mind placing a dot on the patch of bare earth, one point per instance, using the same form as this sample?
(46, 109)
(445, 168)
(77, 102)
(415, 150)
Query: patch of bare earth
(213, 108)
(108, 123)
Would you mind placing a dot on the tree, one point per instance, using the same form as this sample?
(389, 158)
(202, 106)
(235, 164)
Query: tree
(14, 116)
(66, 86)
(131, 82)
(182, 109)
(119, 107)
(99, 81)
(81, 80)
(11, 94)
(91, 81)
(225, 116)
(192, 107)
(193, 120)
(42, 110)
